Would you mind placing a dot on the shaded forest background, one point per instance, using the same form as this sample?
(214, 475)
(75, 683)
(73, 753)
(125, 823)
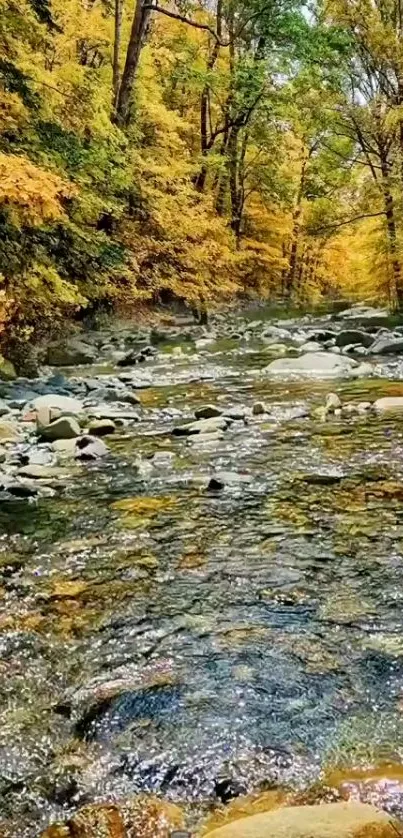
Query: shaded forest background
(197, 150)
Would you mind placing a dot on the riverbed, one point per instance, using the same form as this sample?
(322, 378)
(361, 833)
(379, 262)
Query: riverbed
(250, 636)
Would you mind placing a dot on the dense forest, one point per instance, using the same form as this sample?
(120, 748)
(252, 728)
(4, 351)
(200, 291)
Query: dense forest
(197, 150)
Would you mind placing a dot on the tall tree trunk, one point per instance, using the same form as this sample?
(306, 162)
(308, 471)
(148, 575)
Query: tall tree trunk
(296, 229)
(116, 53)
(138, 30)
(207, 142)
(396, 279)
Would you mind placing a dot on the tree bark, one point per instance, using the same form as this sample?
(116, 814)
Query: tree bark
(296, 229)
(138, 30)
(206, 143)
(396, 279)
(116, 53)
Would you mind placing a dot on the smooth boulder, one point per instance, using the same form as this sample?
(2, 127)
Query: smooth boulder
(64, 428)
(66, 404)
(72, 353)
(347, 337)
(389, 404)
(386, 345)
(332, 820)
(313, 364)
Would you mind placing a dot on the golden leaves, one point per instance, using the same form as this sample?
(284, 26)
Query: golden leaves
(31, 195)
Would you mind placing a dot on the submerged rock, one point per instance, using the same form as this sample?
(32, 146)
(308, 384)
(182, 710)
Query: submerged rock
(315, 364)
(140, 817)
(202, 426)
(332, 820)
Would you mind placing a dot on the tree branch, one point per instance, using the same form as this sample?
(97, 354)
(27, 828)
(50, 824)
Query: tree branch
(152, 7)
(346, 221)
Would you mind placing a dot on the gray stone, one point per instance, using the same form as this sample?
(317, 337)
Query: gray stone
(206, 439)
(207, 411)
(313, 364)
(4, 408)
(258, 409)
(71, 353)
(2, 455)
(8, 432)
(37, 472)
(363, 370)
(333, 402)
(102, 427)
(64, 448)
(65, 404)
(386, 345)
(202, 426)
(389, 404)
(90, 448)
(64, 428)
(353, 336)
(311, 346)
(162, 459)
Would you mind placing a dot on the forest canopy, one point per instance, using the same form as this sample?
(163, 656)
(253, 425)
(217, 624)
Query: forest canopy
(197, 150)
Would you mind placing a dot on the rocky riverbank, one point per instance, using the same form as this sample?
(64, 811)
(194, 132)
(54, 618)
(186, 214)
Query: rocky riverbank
(200, 574)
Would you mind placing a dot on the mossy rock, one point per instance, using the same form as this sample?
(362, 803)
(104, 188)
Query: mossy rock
(7, 370)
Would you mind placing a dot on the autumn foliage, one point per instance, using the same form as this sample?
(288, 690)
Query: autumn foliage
(197, 152)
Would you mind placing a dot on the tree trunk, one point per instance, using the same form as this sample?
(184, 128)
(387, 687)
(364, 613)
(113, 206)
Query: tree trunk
(116, 53)
(138, 30)
(296, 229)
(396, 283)
(206, 143)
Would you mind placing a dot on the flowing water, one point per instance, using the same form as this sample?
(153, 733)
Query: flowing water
(257, 631)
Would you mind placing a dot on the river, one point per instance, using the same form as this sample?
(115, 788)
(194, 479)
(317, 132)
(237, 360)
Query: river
(232, 639)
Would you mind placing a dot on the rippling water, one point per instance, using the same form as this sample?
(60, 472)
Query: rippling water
(256, 633)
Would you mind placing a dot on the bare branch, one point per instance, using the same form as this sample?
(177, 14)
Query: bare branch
(338, 224)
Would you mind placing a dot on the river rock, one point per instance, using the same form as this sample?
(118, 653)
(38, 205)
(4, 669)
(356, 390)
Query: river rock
(90, 448)
(66, 404)
(139, 817)
(313, 364)
(364, 315)
(102, 427)
(64, 448)
(333, 402)
(221, 479)
(37, 472)
(7, 370)
(202, 426)
(71, 353)
(208, 411)
(64, 428)
(137, 357)
(8, 432)
(389, 404)
(311, 346)
(332, 820)
(386, 345)
(348, 337)
(258, 409)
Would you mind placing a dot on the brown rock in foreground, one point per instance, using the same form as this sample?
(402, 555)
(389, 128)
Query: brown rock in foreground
(141, 817)
(333, 820)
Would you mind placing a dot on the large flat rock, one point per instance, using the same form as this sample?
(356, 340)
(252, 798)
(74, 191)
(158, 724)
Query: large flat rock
(314, 365)
(333, 820)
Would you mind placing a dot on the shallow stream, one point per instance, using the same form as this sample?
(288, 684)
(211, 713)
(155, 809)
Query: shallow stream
(260, 627)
